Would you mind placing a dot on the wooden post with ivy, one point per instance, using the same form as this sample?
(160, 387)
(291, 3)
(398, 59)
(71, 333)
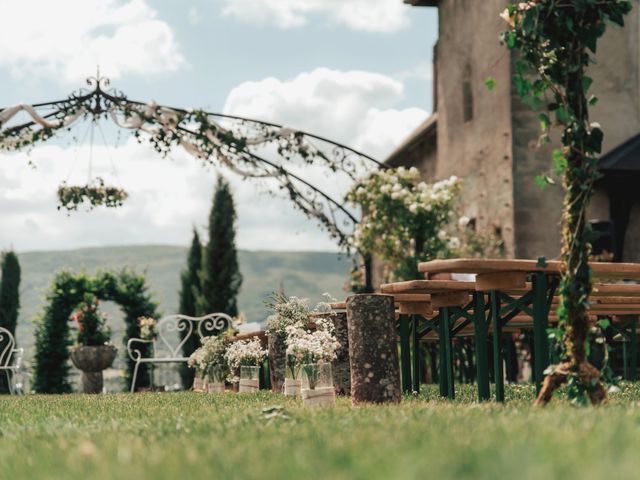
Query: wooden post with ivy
(556, 40)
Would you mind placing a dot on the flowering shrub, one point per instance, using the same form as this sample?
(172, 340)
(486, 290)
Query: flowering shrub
(403, 216)
(148, 328)
(211, 358)
(92, 328)
(244, 353)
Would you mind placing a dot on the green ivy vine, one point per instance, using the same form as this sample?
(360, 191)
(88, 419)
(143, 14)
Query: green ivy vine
(557, 42)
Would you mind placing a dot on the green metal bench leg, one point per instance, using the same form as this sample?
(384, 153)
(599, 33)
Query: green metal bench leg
(633, 350)
(497, 347)
(405, 354)
(449, 353)
(482, 359)
(417, 353)
(540, 324)
(443, 356)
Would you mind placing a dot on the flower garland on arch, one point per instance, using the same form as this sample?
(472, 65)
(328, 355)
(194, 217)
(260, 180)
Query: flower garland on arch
(273, 155)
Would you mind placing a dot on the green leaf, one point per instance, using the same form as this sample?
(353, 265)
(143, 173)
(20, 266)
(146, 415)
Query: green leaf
(562, 115)
(542, 262)
(490, 83)
(559, 161)
(593, 100)
(545, 122)
(586, 83)
(542, 181)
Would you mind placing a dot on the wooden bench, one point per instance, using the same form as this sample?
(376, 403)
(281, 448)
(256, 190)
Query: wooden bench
(174, 331)
(521, 294)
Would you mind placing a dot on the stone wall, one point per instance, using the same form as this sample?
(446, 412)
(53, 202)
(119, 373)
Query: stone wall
(478, 150)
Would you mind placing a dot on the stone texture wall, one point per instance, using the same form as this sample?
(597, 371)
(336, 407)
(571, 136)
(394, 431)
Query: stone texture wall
(479, 150)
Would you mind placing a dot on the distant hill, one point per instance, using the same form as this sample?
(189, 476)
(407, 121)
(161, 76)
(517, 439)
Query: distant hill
(306, 274)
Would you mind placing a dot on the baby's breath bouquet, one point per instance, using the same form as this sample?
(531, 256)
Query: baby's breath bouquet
(244, 353)
(210, 359)
(307, 349)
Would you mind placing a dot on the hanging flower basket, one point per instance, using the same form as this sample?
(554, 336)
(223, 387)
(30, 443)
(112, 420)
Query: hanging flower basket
(94, 194)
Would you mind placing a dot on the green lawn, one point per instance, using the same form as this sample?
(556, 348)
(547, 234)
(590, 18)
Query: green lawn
(194, 436)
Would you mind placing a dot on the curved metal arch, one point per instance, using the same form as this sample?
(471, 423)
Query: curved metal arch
(233, 150)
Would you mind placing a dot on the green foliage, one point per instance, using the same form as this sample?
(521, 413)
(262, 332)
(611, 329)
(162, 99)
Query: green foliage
(220, 276)
(490, 83)
(91, 324)
(9, 299)
(9, 291)
(556, 40)
(190, 290)
(67, 291)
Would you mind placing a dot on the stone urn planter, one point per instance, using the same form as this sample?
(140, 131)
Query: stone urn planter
(92, 360)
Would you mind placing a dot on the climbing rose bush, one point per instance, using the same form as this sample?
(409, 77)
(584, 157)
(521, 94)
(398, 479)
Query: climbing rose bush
(403, 216)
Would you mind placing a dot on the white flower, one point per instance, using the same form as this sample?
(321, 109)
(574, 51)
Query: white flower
(463, 221)
(442, 235)
(454, 242)
(413, 208)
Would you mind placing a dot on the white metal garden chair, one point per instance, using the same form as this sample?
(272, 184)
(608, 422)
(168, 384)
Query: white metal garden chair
(10, 358)
(173, 332)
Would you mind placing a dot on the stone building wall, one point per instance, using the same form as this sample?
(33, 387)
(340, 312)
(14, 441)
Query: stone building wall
(477, 150)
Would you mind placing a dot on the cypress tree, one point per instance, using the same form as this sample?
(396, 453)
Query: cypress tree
(9, 300)
(189, 292)
(220, 276)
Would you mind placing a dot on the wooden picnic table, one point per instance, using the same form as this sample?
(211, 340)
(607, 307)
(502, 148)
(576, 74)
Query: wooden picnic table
(628, 271)
(515, 289)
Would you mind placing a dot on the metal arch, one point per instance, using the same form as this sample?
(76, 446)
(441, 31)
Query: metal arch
(309, 198)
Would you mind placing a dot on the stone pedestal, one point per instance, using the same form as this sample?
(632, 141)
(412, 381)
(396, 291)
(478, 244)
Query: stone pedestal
(277, 361)
(373, 350)
(341, 370)
(92, 360)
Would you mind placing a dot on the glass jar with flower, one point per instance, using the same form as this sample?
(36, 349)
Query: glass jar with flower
(287, 311)
(211, 363)
(312, 352)
(92, 353)
(244, 358)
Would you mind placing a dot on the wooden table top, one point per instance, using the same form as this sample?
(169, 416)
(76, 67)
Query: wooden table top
(630, 271)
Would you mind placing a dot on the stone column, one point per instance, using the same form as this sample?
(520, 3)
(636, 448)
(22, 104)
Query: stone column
(373, 350)
(277, 361)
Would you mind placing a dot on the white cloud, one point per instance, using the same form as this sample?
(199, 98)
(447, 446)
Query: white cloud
(66, 40)
(194, 16)
(363, 15)
(355, 107)
(167, 197)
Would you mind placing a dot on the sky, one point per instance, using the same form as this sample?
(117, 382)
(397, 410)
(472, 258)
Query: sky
(356, 71)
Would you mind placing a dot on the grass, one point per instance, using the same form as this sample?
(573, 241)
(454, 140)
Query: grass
(201, 436)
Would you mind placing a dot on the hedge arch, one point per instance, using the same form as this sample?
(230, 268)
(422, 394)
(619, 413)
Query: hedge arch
(126, 288)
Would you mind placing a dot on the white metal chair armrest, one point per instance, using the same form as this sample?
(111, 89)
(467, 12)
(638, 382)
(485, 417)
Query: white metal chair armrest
(134, 353)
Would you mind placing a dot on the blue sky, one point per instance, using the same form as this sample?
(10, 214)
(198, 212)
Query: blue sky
(358, 71)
